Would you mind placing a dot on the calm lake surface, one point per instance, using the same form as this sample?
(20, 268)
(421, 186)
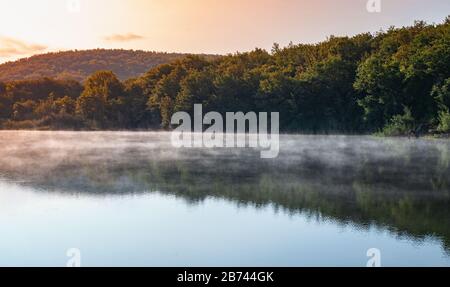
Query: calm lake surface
(131, 199)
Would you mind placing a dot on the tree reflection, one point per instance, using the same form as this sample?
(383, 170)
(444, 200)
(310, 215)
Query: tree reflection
(394, 185)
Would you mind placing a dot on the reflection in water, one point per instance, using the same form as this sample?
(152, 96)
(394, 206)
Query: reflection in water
(397, 184)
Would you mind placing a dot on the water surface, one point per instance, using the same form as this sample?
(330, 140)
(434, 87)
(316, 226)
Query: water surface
(130, 199)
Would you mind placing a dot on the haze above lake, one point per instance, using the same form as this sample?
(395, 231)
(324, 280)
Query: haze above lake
(131, 199)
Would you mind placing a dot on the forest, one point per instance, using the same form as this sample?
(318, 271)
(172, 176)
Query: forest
(394, 82)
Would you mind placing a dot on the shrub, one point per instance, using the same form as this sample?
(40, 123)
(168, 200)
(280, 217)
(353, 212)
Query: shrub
(444, 121)
(400, 125)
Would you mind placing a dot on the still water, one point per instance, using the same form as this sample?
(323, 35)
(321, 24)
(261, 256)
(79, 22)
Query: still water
(130, 199)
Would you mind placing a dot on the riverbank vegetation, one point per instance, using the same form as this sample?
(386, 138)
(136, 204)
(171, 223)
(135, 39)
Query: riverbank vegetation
(396, 82)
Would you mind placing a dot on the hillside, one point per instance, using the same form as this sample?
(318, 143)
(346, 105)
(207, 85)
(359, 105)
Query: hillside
(394, 83)
(78, 65)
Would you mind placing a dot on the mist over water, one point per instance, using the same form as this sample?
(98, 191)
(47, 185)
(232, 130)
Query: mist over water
(323, 201)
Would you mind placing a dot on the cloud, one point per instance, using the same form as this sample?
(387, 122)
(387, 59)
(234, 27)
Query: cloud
(13, 47)
(123, 37)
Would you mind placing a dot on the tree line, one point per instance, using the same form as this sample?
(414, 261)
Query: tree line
(394, 82)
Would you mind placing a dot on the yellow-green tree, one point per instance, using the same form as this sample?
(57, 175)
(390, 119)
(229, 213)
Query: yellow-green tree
(100, 99)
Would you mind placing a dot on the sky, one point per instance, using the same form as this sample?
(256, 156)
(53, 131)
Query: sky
(29, 27)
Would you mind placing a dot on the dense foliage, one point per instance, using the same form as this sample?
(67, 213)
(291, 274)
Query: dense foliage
(395, 82)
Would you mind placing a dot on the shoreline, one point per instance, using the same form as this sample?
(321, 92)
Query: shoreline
(376, 135)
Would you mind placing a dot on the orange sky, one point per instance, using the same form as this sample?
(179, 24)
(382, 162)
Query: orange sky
(198, 26)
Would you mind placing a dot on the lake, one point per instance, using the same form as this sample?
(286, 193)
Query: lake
(131, 199)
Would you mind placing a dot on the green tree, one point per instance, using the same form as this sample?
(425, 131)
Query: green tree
(101, 99)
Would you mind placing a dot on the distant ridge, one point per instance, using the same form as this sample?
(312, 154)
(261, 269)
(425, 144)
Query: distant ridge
(79, 64)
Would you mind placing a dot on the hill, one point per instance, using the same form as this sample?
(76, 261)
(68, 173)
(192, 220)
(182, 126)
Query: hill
(78, 65)
(394, 83)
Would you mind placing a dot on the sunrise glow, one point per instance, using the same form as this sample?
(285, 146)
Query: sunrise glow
(194, 26)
